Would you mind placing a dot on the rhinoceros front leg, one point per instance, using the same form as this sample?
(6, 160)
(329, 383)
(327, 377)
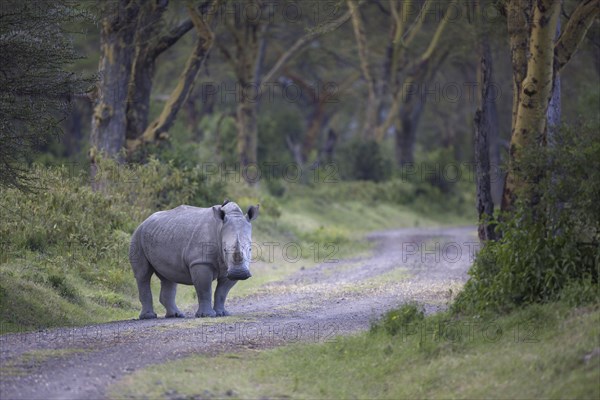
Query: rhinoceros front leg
(202, 276)
(223, 287)
(168, 291)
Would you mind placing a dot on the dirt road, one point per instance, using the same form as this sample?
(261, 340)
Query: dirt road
(424, 265)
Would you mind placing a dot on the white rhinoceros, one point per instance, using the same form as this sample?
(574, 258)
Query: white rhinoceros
(192, 246)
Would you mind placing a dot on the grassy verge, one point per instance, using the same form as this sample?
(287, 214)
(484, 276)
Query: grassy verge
(21, 365)
(64, 250)
(547, 351)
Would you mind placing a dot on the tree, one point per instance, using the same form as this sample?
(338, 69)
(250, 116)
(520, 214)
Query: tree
(386, 95)
(247, 34)
(150, 42)
(485, 125)
(117, 35)
(132, 39)
(160, 126)
(36, 86)
(537, 58)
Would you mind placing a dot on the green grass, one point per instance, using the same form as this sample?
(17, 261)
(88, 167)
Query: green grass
(64, 251)
(538, 352)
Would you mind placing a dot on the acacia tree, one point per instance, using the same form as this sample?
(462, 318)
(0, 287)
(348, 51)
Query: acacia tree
(132, 39)
(149, 43)
(537, 58)
(160, 126)
(388, 104)
(247, 34)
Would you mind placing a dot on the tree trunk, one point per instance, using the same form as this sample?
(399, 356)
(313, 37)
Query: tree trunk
(116, 59)
(329, 145)
(406, 133)
(554, 107)
(373, 100)
(138, 106)
(483, 128)
(496, 172)
(529, 124)
(75, 126)
(535, 76)
(159, 128)
(247, 135)
(411, 105)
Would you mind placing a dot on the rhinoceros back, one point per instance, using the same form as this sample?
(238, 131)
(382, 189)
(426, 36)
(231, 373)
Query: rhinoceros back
(174, 240)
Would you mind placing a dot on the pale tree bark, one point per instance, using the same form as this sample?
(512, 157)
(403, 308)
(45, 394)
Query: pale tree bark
(538, 73)
(158, 129)
(373, 100)
(117, 34)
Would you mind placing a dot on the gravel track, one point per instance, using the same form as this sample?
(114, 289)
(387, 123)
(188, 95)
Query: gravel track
(418, 264)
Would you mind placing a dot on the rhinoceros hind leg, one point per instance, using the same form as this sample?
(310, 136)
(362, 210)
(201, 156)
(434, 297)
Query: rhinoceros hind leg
(143, 272)
(168, 291)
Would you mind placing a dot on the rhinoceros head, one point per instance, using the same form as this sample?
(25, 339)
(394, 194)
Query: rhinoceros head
(236, 238)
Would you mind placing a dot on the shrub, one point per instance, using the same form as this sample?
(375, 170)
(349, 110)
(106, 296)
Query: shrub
(364, 160)
(550, 246)
(399, 320)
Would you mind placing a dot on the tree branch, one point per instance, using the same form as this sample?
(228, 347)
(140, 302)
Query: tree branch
(159, 128)
(170, 38)
(436, 37)
(302, 42)
(574, 32)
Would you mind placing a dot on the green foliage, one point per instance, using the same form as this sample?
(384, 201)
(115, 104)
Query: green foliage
(398, 320)
(528, 265)
(36, 86)
(550, 247)
(398, 191)
(63, 287)
(363, 160)
(275, 126)
(276, 187)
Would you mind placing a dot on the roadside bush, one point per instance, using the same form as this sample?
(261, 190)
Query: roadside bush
(364, 160)
(550, 246)
(399, 320)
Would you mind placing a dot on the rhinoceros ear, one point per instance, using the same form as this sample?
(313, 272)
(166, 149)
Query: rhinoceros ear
(252, 213)
(225, 202)
(218, 213)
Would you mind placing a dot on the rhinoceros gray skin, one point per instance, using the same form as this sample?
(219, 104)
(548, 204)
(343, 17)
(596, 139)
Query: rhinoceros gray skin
(192, 246)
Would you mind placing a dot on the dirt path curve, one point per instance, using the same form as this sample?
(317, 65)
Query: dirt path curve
(417, 264)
